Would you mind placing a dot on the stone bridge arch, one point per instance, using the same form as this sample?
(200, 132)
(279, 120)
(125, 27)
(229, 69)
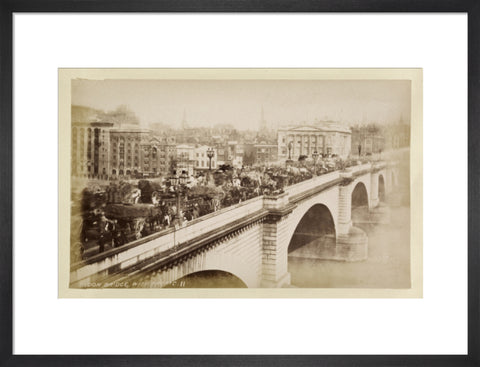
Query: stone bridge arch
(206, 261)
(208, 279)
(360, 196)
(367, 182)
(327, 199)
(316, 222)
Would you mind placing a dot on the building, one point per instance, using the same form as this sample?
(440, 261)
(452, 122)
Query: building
(235, 152)
(260, 153)
(230, 153)
(202, 161)
(265, 153)
(326, 137)
(397, 135)
(90, 148)
(186, 158)
(367, 140)
(373, 138)
(104, 145)
(137, 151)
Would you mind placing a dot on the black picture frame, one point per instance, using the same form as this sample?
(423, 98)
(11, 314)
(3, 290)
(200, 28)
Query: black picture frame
(7, 358)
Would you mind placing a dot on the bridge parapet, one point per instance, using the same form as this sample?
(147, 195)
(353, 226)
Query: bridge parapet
(312, 183)
(360, 168)
(218, 219)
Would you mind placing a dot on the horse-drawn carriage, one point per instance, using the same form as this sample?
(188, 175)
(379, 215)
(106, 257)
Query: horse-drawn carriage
(115, 225)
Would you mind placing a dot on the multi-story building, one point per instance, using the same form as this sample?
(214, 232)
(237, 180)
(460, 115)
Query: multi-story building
(236, 151)
(325, 137)
(137, 151)
(186, 158)
(90, 148)
(397, 135)
(373, 138)
(266, 153)
(231, 153)
(222, 153)
(168, 142)
(262, 153)
(202, 161)
(104, 145)
(367, 140)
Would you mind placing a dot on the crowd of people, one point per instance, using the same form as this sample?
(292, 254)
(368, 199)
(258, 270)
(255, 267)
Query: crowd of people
(122, 212)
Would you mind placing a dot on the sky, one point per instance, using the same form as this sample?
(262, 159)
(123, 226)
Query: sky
(239, 102)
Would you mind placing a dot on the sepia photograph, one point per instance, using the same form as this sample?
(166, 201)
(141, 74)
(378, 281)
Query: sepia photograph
(260, 179)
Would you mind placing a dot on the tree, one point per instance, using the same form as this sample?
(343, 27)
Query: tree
(121, 115)
(147, 188)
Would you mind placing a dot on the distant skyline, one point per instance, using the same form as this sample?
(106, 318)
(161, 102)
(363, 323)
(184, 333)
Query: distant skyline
(239, 102)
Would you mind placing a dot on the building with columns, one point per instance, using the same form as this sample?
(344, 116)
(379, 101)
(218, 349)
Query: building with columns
(325, 137)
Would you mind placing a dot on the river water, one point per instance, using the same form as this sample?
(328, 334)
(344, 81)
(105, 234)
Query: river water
(387, 265)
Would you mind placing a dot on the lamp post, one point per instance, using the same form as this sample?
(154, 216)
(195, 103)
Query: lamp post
(210, 154)
(315, 156)
(178, 184)
(288, 162)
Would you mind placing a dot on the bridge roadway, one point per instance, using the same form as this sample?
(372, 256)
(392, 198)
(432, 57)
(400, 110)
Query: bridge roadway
(249, 240)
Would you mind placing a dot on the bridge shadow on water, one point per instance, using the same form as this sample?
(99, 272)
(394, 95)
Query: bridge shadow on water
(387, 265)
(314, 236)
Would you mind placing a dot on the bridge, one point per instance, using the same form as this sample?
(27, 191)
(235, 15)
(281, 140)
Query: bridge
(251, 240)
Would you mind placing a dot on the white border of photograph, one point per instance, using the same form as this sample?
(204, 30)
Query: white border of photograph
(44, 324)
